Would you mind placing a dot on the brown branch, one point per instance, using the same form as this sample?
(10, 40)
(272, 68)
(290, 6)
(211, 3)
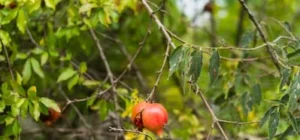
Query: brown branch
(109, 73)
(263, 37)
(8, 61)
(196, 90)
(129, 57)
(118, 79)
(159, 24)
(76, 110)
(213, 32)
(151, 95)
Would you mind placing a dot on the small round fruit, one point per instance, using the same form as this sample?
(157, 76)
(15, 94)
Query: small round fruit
(51, 118)
(155, 117)
(136, 115)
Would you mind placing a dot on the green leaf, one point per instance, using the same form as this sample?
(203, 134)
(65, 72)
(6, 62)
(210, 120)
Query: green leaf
(17, 88)
(49, 103)
(103, 111)
(82, 67)
(273, 123)
(73, 81)
(13, 129)
(44, 58)
(2, 106)
(175, 59)
(288, 131)
(292, 121)
(20, 102)
(26, 73)
(214, 64)
(91, 100)
(65, 75)
(14, 111)
(256, 95)
(244, 100)
(43, 109)
(37, 67)
(90, 83)
(5, 38)
(284, 77)
(34, 109)
(4, 88)
(21, 21)
(196, 65)
(31, 92)
(50, 4)
(10, 16)
(24, 107)
(267, 115)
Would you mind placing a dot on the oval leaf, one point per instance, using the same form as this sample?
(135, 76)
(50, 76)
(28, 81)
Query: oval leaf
(37, 67)
(65, 75)
(196, 65)
(214, 64)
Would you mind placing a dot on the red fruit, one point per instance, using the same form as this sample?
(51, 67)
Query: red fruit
(152, 116)
(136, 114)
(155, 117)
(51, 118)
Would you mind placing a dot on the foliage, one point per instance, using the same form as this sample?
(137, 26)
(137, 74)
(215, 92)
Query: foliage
(82, 58)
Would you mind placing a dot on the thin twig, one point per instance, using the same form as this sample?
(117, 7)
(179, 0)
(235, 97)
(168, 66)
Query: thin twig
(109, 73)
(263, 37)
(76, 110)
(236, 122)
(159, 24)
(8, 61)
(118, 79)
(196, 90)
(150, 97)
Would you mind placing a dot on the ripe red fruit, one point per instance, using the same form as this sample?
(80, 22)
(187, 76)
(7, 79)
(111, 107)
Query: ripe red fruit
(152, 116)
(51, 118)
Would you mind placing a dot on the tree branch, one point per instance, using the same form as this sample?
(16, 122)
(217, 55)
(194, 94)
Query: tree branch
(159, 24)
(263, 37)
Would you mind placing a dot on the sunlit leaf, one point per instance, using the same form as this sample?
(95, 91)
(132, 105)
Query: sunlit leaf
(31, 92)
(50, 4)
(44, 58)
(50, 103)
(82, 67)
(17, 88)
(73, 81)
(22, 21)
(34, 110)
(26, 73)
(65, 75)
(37, 67)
